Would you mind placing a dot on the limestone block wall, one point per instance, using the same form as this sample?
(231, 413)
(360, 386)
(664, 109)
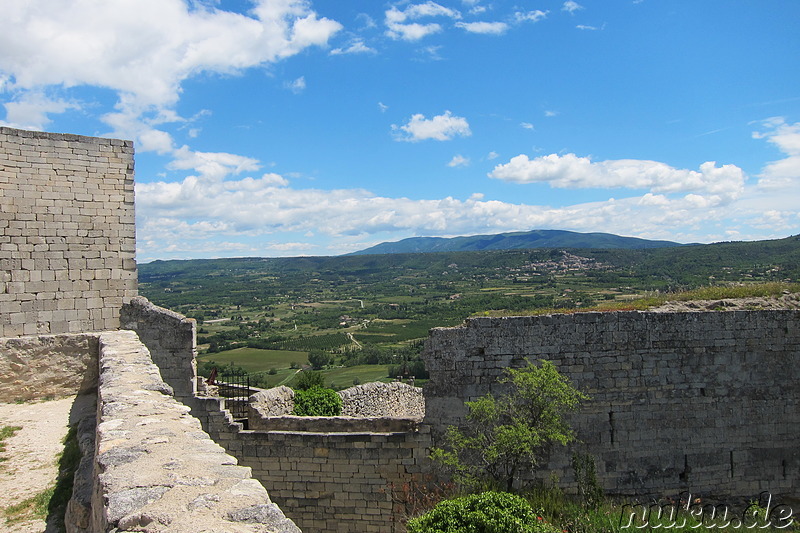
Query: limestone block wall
(328, 481)
(171, 339)
(155, 469)
(67, 232)
(701, 401)
(43, 366)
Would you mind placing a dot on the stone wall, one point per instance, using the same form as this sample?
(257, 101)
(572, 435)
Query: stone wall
(377, 399)
(370, 400)
(67, 232)
(155, 469)
(170, 338)
(327, 475)
(54, 366)
(701, 401)
(146, 463)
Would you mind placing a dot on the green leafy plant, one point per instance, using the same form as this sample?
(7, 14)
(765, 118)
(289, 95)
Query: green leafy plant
(488, 512)
(505, 436)
(585, 470)
(317, 401)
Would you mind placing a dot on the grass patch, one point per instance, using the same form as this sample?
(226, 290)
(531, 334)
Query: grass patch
(51, 503)
(6, 432)
(342, 378)
(33, 508)
(256, 360)
(643, 303)
(623, 517)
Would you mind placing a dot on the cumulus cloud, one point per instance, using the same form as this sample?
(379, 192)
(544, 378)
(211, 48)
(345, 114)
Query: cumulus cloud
(215, 205)
(719, 184)
(571, 7)
(441, 128)
(213, 166)
(31, 110)
(144, 50)
(530, 16)
(249, 208)
(400, 26)
(297, 86)
(486, 28)
(458, 161)
(783, 173)
(356, 46)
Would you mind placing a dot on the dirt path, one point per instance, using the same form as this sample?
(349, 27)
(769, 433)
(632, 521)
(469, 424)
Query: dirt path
(30, 464)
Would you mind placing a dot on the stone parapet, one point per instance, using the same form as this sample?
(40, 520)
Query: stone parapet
(171, 339)
(155, 468)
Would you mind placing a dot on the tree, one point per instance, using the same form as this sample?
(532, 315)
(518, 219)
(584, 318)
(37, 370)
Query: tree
(319, 359)
(505, 437)
(308, 380)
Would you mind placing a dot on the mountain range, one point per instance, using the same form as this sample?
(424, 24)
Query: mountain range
(514, 241)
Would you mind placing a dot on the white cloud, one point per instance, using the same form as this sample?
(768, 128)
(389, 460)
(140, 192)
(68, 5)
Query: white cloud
(213, 166)
(383, 107)
(570, 6)
(297, 86)
(356, 46)
(144, 50)
(530, 16)
(399, 25)
(193, 215)
(719, 184)
(551, 113)
(486, 28)
(492, 155)
(176, 214)
(526, 125)
(783, 174)
(587, 28)
(458, 161)
(30, 111)
(441, 128)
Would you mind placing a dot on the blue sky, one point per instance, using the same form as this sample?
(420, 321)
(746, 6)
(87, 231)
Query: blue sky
(289, 127)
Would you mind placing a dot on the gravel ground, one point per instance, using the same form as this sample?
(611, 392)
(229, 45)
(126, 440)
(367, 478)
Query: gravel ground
(31, 455)
(785, 301)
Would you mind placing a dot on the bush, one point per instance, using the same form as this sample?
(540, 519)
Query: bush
(317, 401)
(488, 512)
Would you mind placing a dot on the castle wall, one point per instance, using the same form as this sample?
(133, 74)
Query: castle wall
(706, 402)
(155, 469)
(67, 233)
(171, 339)
(329, 477)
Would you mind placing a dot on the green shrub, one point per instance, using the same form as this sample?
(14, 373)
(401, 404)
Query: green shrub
(488, 512)
(317, 401)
